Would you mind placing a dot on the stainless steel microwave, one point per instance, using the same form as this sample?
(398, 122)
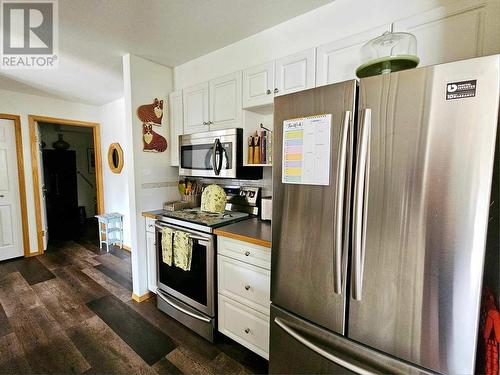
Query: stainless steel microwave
(216, 154)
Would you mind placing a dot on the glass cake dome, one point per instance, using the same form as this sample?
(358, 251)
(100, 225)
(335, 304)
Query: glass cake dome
(390, 52)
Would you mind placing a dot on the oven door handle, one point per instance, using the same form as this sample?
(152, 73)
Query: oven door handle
(181, 309)
(199, 238)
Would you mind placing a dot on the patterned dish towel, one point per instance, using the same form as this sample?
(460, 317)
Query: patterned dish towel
(166, 245)
(183, 250)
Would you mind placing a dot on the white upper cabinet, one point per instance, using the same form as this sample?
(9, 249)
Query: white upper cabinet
(296, 72)
(447, 33)
(258, 85)
(338, 61)
(176, 125)
(225, 102)
(196, 105)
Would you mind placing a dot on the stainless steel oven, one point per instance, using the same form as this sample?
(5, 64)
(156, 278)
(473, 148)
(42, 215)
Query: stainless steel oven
(189, 296)
(215, 154)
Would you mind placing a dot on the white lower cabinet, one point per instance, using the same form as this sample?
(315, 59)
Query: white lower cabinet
(244, 325)
(151, 254)
(244, 279)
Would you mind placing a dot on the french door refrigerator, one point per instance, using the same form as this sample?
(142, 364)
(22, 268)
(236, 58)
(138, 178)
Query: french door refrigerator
(381, 270)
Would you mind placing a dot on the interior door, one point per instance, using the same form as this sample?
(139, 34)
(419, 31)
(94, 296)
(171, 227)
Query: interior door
(62, 193)
(309, 231)
(195, 104)
(421, 213)
(11, 240)
(225, 102)
(43, 193)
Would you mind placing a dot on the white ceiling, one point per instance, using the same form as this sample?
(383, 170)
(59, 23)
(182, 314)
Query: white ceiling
(95, 34)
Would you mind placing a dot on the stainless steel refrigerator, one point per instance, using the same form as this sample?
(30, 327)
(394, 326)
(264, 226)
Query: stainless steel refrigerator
(381, 271)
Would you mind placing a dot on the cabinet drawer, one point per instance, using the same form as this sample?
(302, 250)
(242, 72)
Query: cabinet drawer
(244, 325)
(244, 251)
(150, 224)
(244, 283)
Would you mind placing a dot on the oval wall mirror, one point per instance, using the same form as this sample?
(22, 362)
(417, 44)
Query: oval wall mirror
(115, 157)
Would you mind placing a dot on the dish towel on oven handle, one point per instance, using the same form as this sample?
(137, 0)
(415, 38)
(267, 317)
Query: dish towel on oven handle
(166, 245)
(183, 250)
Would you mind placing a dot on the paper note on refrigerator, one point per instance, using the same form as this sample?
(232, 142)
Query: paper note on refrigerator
(306, 150)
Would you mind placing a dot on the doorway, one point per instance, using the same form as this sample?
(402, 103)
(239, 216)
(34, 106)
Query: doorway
(14, 239)
(67, 179)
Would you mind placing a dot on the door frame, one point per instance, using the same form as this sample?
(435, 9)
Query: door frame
(96, 132)
(21, 180)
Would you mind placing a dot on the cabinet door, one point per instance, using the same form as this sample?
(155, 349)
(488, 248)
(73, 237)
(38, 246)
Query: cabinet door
(151, 260)
(258, 85)
(225, 102)
(338, 61)
(195, 103)
(447, 33)
(176, 125)
(296, 72)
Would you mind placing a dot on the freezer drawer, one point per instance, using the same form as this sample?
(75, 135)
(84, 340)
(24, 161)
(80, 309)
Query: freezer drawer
(299, 347)
(420, 211)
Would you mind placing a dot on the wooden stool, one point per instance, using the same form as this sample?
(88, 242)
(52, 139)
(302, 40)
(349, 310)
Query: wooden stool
(110, 229)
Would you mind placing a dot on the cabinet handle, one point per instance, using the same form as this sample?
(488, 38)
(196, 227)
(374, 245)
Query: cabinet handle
(1, 196)
(247, 330)
(205, 123)
(268, 91)
(247, 253)
(210, 123)
(276, 90)
(150, 226)
(247, 287)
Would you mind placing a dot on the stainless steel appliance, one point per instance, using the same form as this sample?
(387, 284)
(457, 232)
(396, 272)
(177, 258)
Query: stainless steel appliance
(189, 296)
(381, 271)
(215, 154)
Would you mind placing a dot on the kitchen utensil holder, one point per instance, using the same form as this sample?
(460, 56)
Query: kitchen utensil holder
(192, 200)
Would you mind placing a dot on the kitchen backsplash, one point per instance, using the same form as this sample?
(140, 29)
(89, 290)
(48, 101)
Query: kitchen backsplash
(265, 183)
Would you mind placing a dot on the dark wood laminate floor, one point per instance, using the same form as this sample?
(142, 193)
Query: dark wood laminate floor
(70, 311)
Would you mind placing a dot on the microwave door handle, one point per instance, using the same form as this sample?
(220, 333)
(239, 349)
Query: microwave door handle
(214, 157)
(360, 206)
(218, 150)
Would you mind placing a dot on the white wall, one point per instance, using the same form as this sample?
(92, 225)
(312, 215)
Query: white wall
(21, 104)
(80, 140)
(116, 189)
(331, 22)
(151, 180)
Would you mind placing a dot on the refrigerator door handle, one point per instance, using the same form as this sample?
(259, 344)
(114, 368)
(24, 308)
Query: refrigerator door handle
(339, 204)
(359, 207)
(318, 350)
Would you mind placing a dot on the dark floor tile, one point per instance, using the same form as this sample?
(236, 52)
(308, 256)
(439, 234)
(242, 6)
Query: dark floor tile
(120, 253)
(34, 271)
(199, 349)
(146, 340)
(54, 259)
(105, 351)
(165, 367)
(186, 364)
(9, 266)
(5, 327)
(224, 365)
(116, 264)
(116, 276)
(108, 284)
(81, 284)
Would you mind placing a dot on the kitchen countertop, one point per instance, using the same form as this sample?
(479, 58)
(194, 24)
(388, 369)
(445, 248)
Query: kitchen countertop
(152, 214)
(253, 231)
